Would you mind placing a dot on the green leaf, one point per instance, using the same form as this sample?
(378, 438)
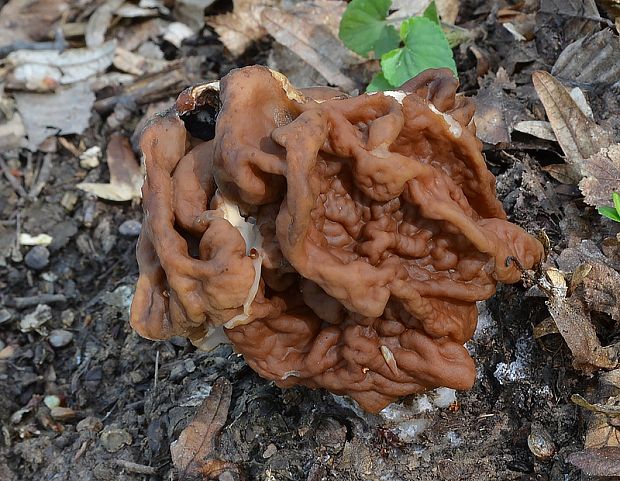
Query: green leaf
(379, 84)
(431, 13)
(616, 198)
(609, 212)
(363, 27)
(425, 47)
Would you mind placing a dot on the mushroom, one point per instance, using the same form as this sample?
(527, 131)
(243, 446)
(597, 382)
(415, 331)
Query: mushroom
(338, 242)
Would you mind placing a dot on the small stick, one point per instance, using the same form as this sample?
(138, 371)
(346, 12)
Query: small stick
(21, 302)
(156, 369)
(12, 180)
(135, 467)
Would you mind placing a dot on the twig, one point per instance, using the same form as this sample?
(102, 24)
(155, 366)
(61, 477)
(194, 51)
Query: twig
(59, 43)
(12, 180)
(21, 302)
(156, 369)
(135, 467)
(43, 176)
(606, 21)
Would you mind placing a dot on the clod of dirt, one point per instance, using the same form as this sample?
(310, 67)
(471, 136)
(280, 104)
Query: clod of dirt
(340, 242)
(113, 439)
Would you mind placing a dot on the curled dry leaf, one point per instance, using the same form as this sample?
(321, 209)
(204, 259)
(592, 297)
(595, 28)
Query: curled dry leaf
(591, 59)
(125, 173)
(602, 176)
(191, 12)
(238, 29)
(99, 22)
(135, 64)
(46, 69)
(193, 452)
(579, 137)
(572, 318)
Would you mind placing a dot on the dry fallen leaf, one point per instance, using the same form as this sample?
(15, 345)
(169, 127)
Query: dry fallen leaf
(594, 58)
(29, 19)
(126, 176)
(601, 289)
(495, 109)
(64, 112)
(193, 452)
(536, 128)
(238, 29)
(46, 69)
(99, 22)
(310, 30)
(597, 462)
(191, 12)
(135, 64)
(602, 176)
(578, 136)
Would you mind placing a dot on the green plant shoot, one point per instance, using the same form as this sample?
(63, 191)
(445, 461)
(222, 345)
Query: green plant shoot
(420, 44)
(612, 213)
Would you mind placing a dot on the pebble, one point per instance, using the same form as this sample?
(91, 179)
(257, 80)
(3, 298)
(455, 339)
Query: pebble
(89, 159)
(90, 423)
(37, 258)
(130, 228)
(114, 439)
(51, 401)
(270, 451)
(69, 200)
(5, 316)
(67, 317)
(62, 413)
(60, 338)
(540, 442)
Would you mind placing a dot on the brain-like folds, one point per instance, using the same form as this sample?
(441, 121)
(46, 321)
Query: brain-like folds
(338, 242)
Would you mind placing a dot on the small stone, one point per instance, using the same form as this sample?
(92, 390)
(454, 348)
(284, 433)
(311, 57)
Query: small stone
(62, 414)
(7, 352)
(90, 423)
(69, 200)
(189, 365)
(113, 439)
(130, 228)
(540, 442)
(60, 338)
(5, 316)
(51, 401)
(34, 321)
(89, 159)
(37, 258)
(270, 451)
(67, 317)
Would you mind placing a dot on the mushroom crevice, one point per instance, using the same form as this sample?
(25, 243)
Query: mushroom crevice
(338, 242)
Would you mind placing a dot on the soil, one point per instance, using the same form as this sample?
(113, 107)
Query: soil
(130, 398)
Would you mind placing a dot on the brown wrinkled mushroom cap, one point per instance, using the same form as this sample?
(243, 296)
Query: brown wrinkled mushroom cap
(341, 242)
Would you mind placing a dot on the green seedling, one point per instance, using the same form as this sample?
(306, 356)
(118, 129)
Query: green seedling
(612, 213)
(420, 44)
